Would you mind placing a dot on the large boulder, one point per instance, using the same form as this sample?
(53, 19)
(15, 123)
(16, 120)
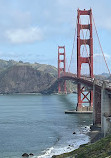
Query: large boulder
(25, 155)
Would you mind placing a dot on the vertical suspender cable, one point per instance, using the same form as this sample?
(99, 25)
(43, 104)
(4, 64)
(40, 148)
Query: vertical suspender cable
(72, 48)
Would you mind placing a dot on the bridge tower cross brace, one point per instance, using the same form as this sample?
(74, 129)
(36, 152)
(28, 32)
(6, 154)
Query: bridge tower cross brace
(61, 68)
(80, 59)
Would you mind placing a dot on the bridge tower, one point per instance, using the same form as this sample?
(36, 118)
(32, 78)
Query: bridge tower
(61, 68)
(82, 95)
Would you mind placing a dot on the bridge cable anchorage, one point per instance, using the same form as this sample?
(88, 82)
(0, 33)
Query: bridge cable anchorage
(101, 46)
(75, 32)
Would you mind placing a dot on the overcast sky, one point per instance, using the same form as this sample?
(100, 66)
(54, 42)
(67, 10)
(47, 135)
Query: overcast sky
(31, 30)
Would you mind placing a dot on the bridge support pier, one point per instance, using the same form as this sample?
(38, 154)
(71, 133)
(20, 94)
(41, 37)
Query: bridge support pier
(101, 108)
(105, 111)
(96, 105)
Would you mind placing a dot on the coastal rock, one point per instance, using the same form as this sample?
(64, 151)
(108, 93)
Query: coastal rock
(68, 147)
(74, 132)
(25, 155)
(31, 154)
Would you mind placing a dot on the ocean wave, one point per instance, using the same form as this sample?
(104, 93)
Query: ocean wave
(47, 153)
(68, 146)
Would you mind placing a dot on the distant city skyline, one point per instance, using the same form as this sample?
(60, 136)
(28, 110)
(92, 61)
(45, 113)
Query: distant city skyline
(31, 30)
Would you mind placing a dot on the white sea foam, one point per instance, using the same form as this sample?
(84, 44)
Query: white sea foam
(70, 145)
(47, 153)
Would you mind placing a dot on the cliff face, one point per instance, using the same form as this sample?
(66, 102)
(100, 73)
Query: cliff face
(24, 79)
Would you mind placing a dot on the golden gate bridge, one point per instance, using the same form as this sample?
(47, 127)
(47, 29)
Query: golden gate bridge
(98, 93)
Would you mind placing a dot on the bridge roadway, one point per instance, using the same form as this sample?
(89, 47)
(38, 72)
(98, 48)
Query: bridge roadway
(85, 80)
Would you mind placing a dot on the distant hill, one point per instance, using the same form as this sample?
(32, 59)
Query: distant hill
(19, 77)
(103, 76)
(41, 67)
(24, 79)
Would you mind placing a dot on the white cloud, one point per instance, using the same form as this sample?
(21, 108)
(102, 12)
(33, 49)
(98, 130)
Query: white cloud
(102, 16)
(97, 55)
(28, 35)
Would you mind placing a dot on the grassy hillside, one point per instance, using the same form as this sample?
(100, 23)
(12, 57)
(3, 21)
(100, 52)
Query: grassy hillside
(99, 149)
(41, 67)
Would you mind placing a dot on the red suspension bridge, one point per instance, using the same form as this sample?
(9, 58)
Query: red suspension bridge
(98, 92)
(84, 56)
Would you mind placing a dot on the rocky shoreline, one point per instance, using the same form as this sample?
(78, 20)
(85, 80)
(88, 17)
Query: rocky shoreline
(95, 137)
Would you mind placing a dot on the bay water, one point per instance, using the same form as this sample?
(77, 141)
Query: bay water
(34, 123)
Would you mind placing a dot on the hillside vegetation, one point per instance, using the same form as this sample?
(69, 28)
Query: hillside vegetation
(19, 77)
(99, 149)
(41, 67)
